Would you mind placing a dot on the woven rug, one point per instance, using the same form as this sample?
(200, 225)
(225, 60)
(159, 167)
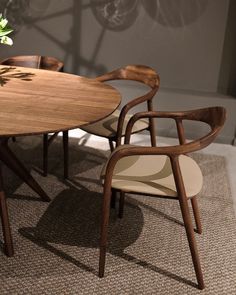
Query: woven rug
(56, 243)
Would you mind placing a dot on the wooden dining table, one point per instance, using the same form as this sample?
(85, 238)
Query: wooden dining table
(35, 101)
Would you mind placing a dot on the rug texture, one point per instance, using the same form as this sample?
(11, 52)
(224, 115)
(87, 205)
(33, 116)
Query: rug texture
(56, 243)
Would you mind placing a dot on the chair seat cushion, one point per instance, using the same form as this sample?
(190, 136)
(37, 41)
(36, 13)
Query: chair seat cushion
(107, 127)
(152, 174)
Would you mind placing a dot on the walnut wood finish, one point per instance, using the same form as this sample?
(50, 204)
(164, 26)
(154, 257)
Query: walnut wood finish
(141, 74)
(215, 118)
(35, 101)
(34, 61)
(46, 63)
(47, 101)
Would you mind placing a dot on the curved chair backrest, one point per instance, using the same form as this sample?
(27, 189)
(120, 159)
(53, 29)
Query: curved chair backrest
(213, 116)
(140, 73)
(34, 61)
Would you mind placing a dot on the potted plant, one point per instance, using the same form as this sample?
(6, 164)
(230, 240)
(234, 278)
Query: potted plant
(4, 31)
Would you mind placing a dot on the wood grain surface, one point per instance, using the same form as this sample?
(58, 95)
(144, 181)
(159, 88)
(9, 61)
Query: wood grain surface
(34, 101)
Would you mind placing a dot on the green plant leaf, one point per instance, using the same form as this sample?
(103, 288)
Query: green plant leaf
(5, 31)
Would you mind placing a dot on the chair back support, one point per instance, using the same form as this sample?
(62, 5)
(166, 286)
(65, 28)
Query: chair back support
(142, 74)
(213, 116)
(139, 73)
(34, 61)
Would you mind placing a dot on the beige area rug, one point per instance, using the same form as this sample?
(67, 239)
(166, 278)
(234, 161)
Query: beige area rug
(56, 243)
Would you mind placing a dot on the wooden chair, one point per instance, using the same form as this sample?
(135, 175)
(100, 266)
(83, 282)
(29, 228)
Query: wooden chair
(161, 171)
(47, 63)
(113, 127)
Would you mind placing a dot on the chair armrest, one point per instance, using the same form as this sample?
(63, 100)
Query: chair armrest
(177, 116)
(131, 104)
(213, 116)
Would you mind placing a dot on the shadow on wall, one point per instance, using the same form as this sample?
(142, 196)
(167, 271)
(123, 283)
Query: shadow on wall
(115, 15)
(175, 13)
(119, 15)
(32, 13)
(20, 11)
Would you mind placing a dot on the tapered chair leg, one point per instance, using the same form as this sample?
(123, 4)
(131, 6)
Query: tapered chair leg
(104, 230)
(113, 198)
(111, 145)
(187, 220)
(151, 124)
(66, 153)
(152, 132)
(8, 244)
(192, 243)
(196, 214)
(45, 154)
(121, 204)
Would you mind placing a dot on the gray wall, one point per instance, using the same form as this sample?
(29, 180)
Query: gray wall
(189, 42)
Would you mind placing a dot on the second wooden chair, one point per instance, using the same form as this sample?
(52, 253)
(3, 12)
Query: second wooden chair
(113, 127)
(166, 172)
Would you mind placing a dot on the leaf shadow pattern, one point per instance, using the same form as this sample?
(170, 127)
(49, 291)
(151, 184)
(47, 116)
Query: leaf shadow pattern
(115, 15)
(175, 14)
(8, 73)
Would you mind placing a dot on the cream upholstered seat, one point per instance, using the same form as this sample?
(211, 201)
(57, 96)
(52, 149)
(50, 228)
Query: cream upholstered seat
(113, 127)
(152, 174)
(161, 171)
(108, 127)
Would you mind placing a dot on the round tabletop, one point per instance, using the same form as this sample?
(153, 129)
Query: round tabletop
(34, 101)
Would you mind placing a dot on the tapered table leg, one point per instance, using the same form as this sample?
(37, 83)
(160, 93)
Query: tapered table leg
(66, 154)
(45, 154)
(8, 244)
(13, 163)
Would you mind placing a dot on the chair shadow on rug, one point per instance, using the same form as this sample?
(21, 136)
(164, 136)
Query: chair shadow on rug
(72, 219)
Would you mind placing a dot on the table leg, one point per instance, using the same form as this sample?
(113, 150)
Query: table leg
(8, 245)
(13, 163)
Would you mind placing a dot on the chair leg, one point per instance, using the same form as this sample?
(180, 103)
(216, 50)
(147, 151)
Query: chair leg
(45, 154)
(192, 242)
(187, 220)
(111, 145)
(104, 230)
(66, 153)
(151, 124)
(152, 132)
(8, 244)
(121, 204)
(113, 198)
(196, 214)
